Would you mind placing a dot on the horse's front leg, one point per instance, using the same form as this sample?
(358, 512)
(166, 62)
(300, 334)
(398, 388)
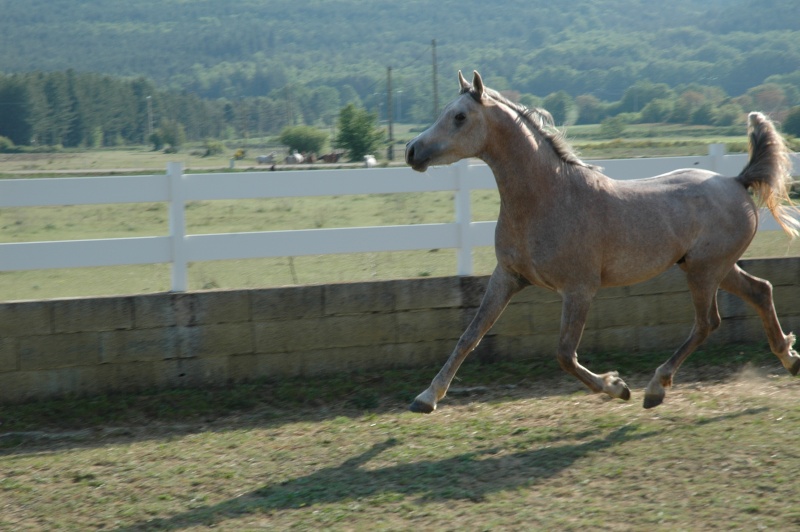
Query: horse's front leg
(502, 286)
(575, 309)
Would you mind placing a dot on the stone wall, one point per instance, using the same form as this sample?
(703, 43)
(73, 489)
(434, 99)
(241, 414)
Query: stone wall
(96, 345)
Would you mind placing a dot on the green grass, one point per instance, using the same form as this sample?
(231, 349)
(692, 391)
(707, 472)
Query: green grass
(107, 221)
(528, 448)
(110, 221)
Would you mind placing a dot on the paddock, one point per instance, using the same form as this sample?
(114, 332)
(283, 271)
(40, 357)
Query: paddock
(505, 453)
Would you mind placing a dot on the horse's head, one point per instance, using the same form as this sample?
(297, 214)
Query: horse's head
(459, 132)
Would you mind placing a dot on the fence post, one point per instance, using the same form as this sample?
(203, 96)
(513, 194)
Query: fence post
(177, 226)
(716, 154)
(463, 217)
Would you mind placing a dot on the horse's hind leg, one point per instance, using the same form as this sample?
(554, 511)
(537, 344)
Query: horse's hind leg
(758, 293)
(704, 297)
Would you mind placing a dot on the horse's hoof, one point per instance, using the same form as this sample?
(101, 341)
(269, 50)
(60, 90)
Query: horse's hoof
(420, 408)
(626, 394)
(651, 401)
(795, 368)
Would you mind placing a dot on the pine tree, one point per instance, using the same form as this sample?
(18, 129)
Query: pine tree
(15, 112)
(358, 133)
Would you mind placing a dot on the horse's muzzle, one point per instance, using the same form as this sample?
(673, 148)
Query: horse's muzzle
(415, 156)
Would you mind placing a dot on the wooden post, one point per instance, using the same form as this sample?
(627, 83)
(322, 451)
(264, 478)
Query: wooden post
(463, 209)
(177, 227)
(390, 151)
(716, 152)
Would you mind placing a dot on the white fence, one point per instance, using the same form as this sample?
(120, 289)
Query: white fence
(177, 188)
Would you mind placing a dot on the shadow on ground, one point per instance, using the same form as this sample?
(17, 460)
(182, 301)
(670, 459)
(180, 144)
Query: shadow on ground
(471, 476)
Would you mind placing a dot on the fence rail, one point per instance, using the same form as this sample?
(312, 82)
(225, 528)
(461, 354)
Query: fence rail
(176, 188)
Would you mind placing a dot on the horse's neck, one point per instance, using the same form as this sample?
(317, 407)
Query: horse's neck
(525, 168)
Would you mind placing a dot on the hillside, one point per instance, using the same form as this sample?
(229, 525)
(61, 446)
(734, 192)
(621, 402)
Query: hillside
(96, 72)
(247, 48)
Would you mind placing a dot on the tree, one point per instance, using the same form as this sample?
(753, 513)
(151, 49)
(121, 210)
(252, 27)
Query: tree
(305, 139)
(728, 114)
(358, 133)
(638, 95)
(323, 102)
(171, 134)
(590, 109)
(768, 98)
(16, 112)
(657, 110)
(703, 115)
(561, 106)
(791, 125)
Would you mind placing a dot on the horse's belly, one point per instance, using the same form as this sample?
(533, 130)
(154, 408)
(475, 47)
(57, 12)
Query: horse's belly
(629, 278)
(631, 269)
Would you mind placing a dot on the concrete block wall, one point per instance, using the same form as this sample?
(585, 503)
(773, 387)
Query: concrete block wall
(96, 345)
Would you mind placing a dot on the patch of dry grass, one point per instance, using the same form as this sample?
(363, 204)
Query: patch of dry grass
(521, 452)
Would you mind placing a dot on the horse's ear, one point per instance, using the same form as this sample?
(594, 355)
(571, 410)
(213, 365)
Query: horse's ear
(477, 83)
(462, 81)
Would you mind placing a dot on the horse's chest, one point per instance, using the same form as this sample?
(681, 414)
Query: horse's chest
(527, 258)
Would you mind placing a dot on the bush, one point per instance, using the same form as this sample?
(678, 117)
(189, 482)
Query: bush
(6, 145)
(171, 134)
(212, 147)
(304, 139)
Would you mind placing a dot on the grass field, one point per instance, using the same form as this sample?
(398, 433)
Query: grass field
(514, 446)
(517, 447)
(105, 221)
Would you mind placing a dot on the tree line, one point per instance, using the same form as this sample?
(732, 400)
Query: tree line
(72, 109)
(312, 58)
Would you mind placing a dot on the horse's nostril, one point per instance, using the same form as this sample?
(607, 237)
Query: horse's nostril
(409, 153)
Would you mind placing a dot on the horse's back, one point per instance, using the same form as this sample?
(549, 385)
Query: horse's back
(685, 188)
(655, 222)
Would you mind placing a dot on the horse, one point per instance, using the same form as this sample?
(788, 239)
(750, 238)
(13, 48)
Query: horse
(266, 159)
(294, 158)
(332, 157)
(565, 226)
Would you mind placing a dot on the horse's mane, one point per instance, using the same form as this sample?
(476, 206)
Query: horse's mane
(541, 121)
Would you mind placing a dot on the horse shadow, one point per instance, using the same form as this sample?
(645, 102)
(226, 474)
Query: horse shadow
(471, 476)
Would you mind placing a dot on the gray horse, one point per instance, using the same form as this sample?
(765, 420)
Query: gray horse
(565, 226)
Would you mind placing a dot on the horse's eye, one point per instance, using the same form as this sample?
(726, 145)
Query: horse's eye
(460, 117)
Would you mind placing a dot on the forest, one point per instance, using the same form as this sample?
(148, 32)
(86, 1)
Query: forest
(94, 72)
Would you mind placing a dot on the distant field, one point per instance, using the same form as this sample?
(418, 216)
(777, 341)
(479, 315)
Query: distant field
(639, 140)
(109, 221)
(106, 221)
(135, 159)
(101, 161)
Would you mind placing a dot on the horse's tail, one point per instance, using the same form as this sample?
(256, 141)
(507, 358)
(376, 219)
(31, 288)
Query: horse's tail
(768, 172)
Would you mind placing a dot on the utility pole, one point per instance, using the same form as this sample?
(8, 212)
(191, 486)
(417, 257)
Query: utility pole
(435, 82)
(289, 111)
(390, 151)
(149, 117)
